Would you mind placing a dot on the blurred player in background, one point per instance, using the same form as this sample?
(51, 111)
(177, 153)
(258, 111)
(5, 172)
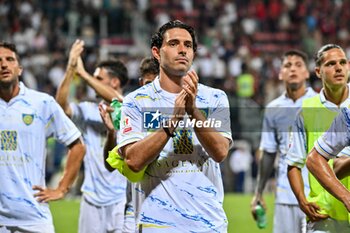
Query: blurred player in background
(278, 119)
(104, 193)
(27, 119)
(148, 72)
(315, 117)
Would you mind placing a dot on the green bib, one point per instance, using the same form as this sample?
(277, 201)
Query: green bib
(317, 120)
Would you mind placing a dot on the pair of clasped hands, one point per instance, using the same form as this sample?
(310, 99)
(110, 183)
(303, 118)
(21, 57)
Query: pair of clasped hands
(185, 102)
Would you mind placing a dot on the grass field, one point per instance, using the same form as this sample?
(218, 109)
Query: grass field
(66, 212)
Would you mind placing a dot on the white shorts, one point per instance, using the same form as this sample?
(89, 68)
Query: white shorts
(289, 218)
(328, 225)
(44, 228)
(129, 214)
(97, 219)
(129, 219)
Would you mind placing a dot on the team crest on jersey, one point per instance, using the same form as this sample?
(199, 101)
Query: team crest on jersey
(27, 118)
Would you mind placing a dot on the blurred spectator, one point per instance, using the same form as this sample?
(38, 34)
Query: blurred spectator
(56, 73)
(245, 83)
(240, 163)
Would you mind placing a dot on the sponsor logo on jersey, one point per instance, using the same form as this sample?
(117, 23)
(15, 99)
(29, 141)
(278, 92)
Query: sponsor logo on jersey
(126, 125)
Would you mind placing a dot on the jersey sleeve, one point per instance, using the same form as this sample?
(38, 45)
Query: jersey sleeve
(344, 152)
(59, 125)
(268, 141)
(77, 115)
(131, 122)
(221, 113)
(336, 138)
(296, 155)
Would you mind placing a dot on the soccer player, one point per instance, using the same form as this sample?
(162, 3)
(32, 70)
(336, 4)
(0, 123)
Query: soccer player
(27, 119)
(333, 142)
(182, 189)
(148, 71)
(278, 119)
(104, 193)
(315, 118)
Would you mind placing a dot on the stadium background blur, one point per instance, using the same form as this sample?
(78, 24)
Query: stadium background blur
(240, 43)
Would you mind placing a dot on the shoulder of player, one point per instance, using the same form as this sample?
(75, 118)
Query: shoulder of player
(37, 95)
(143, 92)
(210, 91)
(278, 102)
(310, 92)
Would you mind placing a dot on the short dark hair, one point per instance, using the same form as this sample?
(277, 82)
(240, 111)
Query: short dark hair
(296, 52)
(116, 69)
(148, 66)
(11, 47)
(319, 55)
(157, 38)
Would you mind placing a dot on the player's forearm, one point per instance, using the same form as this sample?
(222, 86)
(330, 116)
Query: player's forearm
(63, 90)
(105, 91)
(214, 143)
(265, 168)
(341, 167)
(74, 159)
(319, 167)
(297, 184)
(142, 153)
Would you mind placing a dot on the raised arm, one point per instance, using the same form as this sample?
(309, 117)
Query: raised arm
(63, 90)
(214, 143)
(103, 90)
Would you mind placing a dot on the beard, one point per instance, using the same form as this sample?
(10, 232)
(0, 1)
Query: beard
(175, 72)
(5, 84)
(294, 86)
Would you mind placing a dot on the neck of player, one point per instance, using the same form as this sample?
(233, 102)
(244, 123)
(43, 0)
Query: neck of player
(296, 92)
(336, 95)
(8, 92)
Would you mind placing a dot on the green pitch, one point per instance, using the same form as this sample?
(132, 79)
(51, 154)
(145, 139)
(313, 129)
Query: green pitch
(237, 207)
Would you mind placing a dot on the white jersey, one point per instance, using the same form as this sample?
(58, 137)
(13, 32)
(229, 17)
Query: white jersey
(26, 122)
(100, 187)
(336, 138)
(277, 127)
(298, 148)
(182, 190)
